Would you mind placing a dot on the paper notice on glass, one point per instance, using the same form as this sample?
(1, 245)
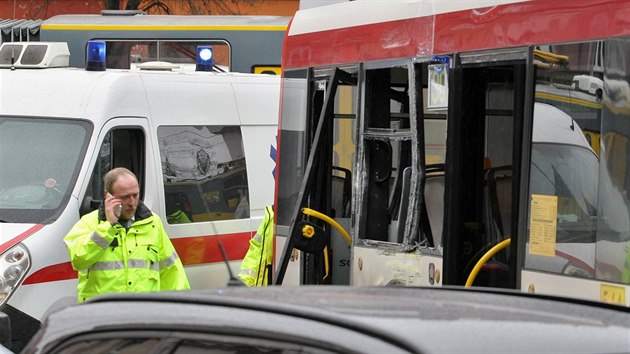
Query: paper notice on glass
(438, 86)
(543, 223)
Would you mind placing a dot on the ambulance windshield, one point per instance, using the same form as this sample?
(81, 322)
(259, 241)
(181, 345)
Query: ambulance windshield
(40, 160)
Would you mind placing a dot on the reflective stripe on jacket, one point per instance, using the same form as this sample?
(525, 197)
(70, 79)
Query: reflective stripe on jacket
(110, 259)
(256, 265)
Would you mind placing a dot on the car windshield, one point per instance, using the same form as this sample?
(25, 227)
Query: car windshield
(40, 160)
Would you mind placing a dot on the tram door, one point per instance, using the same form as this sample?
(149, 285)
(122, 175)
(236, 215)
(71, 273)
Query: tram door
(483, 160)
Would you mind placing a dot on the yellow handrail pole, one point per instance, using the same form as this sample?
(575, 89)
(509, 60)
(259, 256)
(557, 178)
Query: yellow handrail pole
(326, 218)
(491, 252)
(326, 265)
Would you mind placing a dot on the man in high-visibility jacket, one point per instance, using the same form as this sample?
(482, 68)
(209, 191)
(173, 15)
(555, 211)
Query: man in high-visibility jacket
(122, 246)
(256, 266)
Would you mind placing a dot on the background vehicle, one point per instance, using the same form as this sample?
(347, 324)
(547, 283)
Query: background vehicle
(241, 43)
(460, 129)
(334, 320)
(199, 142)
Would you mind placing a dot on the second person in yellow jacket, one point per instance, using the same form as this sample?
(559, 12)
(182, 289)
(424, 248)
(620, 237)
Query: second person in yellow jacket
(256, 267)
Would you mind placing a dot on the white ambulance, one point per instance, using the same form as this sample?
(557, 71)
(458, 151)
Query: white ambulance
(201, 143)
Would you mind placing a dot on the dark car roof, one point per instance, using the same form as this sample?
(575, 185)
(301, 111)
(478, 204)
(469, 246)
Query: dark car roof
(359, 319)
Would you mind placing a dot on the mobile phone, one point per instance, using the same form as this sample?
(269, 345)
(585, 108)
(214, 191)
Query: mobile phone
(117, 208)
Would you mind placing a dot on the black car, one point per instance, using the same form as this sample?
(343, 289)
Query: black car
(333, 319)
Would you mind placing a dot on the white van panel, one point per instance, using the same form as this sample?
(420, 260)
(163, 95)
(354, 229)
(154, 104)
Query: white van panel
(203, 103)
(57, 294)
(260, 144)
(256, 103)
(71, 93)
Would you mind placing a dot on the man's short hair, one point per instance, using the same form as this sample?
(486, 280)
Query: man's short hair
(112, 176)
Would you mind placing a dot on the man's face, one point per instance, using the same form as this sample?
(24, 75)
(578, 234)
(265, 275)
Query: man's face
(126, 189)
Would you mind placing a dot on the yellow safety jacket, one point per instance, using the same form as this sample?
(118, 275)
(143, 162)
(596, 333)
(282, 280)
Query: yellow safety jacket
(178, 217)
(256, 266)
(111, 259)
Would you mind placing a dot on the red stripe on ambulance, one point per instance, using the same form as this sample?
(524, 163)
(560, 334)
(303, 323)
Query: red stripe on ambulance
(192, 251)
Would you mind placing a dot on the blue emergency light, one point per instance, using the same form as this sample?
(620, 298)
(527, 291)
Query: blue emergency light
(204, 58)
(95, 56)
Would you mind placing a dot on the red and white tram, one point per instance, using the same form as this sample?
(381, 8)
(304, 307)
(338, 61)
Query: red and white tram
(481, 143)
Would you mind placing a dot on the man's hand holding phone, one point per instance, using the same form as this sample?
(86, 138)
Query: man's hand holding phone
(113, 208)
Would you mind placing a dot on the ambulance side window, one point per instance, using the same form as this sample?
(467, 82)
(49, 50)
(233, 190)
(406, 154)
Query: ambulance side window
(204, 173)
(121, 147)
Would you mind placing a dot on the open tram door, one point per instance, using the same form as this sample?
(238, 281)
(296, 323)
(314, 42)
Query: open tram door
(365, 120)
(314, 192)
(487, 153)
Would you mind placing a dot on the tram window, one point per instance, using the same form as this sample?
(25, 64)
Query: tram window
(344, 146)
(565, 159)
(126, 54)
(205, 176)
(387, 148)
(613, 227)
(434, 134)
(340, 140)
(292, 145)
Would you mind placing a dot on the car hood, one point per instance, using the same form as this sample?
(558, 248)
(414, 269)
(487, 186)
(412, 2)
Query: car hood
(410, 319)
